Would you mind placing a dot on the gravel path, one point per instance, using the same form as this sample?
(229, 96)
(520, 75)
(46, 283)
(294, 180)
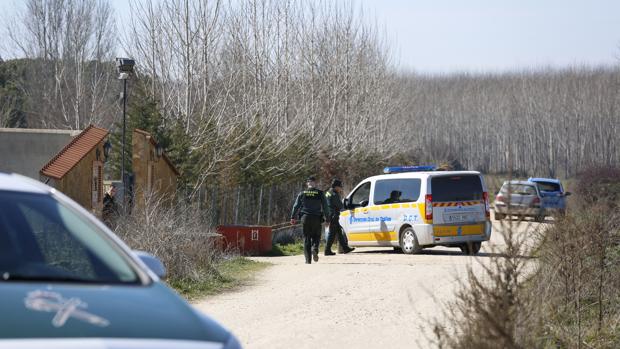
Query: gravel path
(371, 298)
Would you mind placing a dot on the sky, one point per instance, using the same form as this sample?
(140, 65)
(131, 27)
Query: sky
(444, 36)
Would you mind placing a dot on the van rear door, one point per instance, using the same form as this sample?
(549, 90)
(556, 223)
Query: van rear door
(458, 200)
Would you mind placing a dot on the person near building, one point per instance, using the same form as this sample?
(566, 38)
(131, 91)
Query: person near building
(312, 209)
(110, 207)
(334, 202)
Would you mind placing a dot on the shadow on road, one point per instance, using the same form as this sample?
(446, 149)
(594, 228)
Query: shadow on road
(429, 252)
(516, 219)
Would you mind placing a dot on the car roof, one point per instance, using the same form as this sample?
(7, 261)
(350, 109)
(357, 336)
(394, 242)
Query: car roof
(421, 174)
(19, 183)
(550, 180)
(518, 181)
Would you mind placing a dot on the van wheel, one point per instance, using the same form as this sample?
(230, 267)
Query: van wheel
(408, 241)
(499, 216)
(470, 248)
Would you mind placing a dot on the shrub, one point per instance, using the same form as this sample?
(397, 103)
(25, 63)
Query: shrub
(577, 281)
(492, 307)
(567, 298)
(176, 235)
(599, 185)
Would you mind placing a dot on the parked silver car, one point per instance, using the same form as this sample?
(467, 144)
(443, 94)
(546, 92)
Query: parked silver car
(519, 198)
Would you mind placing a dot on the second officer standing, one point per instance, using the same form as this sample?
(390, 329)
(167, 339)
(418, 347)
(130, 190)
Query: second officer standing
(335, 230)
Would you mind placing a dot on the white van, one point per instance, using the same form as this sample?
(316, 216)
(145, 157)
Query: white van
(413, 207)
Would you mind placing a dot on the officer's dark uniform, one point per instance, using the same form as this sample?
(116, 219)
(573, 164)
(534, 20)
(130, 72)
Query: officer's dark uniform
(311, 205)
(335, 230)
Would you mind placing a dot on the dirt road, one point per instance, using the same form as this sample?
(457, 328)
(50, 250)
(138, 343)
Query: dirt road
(371, 298)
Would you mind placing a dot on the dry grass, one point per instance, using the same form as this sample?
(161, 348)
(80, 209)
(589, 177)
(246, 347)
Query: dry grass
(578, 281)
(488, 311)
(176, 235)
(187, 245)
(569, 297)
(232, 273)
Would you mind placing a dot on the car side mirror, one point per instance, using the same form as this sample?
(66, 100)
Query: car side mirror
(364, 203)
(568, 193)
(345, 203)
(156, 266)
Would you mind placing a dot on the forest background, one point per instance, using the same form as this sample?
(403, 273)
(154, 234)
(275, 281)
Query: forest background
(250, 97)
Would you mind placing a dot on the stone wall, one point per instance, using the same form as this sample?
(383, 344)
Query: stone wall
(153, 175)
(79, 183)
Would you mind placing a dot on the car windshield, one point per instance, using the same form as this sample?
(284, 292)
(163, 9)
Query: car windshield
(43, 240)
(549, 186)
(519, 189)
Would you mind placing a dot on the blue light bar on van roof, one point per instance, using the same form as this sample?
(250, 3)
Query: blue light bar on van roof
(400, 169)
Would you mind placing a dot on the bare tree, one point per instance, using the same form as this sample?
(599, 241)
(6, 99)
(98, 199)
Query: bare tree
(70, 43)
(264, 86)
(555, 122)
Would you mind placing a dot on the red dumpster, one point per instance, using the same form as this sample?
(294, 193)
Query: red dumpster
(247, 239)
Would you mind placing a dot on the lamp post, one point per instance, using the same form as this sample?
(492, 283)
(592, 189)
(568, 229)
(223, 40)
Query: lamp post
(125, 69)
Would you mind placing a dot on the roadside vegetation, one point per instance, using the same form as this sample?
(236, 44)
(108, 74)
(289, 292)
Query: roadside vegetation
(230, 273)
(561, 292)
(295, 248)
(193, 254)
(288, 241)
(287, 249)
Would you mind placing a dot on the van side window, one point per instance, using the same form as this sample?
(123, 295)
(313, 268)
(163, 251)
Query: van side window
(361, 194)
(390, 191)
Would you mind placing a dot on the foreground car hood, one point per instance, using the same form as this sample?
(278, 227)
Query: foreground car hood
(40, 310)
(106, 343)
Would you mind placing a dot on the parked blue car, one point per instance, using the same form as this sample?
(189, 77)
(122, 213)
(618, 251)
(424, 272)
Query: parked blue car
(536, 198)
(66, 281)
(553, 196)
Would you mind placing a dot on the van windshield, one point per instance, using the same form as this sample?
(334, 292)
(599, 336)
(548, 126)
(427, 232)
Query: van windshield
(456, 188)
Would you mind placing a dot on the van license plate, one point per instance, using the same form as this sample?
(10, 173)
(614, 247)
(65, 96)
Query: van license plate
(460, 217)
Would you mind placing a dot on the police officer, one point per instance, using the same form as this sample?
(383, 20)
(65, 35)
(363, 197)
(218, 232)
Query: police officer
(311, 205)
(335, 230)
